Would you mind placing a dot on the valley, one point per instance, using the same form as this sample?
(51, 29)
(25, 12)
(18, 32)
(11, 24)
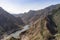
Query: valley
(41, 24)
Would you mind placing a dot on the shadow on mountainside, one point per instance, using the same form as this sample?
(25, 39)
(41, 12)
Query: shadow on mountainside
(51, 26)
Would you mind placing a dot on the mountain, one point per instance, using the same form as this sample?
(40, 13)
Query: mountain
(26, 17)
(8, 22)
(44, 24)
(32, 15)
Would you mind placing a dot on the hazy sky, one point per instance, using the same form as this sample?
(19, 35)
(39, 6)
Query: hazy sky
(20, 6)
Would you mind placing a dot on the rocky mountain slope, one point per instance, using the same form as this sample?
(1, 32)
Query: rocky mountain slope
(41, 29)
(8, 23)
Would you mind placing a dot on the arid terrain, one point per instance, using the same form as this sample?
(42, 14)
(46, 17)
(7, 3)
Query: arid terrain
(41, 24)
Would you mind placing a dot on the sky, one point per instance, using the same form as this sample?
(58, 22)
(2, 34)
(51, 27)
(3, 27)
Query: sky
(21, 6)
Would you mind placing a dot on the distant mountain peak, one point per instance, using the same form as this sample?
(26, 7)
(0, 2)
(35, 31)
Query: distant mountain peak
(1, 8)
(31, 10)
(2, 11)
